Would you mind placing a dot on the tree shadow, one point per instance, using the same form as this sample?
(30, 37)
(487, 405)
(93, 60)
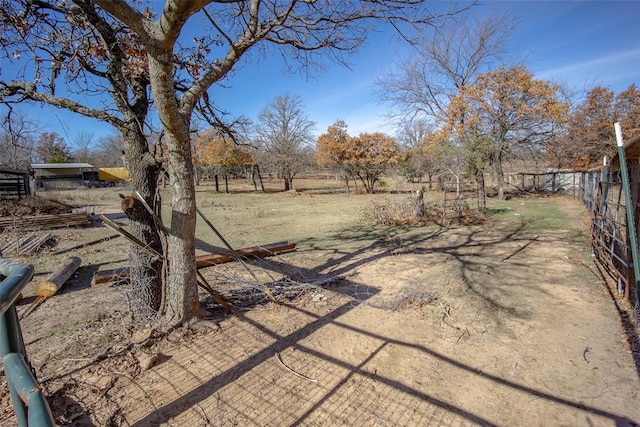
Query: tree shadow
(399, 391)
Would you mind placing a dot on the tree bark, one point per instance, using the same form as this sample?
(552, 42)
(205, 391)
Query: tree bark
(418, 206)
(146, 273)
(182, 291)
(182, 303)
(499, 172)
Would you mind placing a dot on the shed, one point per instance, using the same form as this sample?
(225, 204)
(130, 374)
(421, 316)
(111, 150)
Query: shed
(63, 175)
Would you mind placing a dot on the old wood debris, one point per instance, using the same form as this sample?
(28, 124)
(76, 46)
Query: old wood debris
(39, 222)
(54, 282)
(119, 275)
(24, 245)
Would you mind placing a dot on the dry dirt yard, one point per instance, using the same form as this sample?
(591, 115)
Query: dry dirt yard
(505, 323)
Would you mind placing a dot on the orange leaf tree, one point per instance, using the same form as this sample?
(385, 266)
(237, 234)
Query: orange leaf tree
(365, 157)
(222, 155)
(590, 134)
(511, 110)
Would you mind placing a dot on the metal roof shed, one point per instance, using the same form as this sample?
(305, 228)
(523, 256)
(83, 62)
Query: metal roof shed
(62, 175)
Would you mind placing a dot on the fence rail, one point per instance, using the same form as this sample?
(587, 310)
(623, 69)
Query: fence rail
(602, 193)
(17, 186)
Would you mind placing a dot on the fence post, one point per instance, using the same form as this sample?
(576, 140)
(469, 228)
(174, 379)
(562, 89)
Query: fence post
(631, 226)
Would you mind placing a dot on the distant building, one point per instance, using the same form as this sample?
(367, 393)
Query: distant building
(64, 175)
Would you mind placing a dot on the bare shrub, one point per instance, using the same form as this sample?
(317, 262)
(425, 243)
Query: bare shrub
(394, 211)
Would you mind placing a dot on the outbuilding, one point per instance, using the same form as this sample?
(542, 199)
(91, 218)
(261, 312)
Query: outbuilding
(63, 175)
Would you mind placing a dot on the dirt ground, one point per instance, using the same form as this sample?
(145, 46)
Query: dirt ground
(477, 325)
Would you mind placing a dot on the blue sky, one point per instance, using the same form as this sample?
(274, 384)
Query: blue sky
(578, 43)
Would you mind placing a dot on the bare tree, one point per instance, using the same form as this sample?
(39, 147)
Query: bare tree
(52, 148)
(108, 151)
(423, 85)
(17, 140)
(414, 137)
(284, 132)
(83, 146)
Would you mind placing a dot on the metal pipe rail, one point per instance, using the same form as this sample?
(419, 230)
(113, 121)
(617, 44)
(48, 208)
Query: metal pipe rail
(29, 403)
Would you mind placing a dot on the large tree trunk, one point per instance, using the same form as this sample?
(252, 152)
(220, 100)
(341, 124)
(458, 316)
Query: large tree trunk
(288, 183)
(182, 292)
(181, 303)
(146, 272)
(482, 195)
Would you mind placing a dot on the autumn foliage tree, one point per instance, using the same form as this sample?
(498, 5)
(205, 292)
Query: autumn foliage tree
(222, 155)
(331, 150)
(512, 111)
(365, 157)
(589, 136)
(52, 148)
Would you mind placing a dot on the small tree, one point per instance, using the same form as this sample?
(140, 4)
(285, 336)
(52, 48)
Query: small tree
(365, 157)
(415, 163)
(109, 151)
(17, 141)
(370, 155)
(222, 155)
(83, 147)
(284, 132)
(331, 150)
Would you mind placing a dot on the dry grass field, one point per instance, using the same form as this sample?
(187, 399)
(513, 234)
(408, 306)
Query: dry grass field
(502, 323)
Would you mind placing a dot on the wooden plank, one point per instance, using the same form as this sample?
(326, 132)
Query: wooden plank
(84, 245)
(115, 275)
(130, 237)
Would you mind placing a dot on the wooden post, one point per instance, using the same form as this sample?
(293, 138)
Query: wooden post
(58, 278)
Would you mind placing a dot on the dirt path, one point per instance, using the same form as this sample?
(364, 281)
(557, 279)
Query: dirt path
(468, 326)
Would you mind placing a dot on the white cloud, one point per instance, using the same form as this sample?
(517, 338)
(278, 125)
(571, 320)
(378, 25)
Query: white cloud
(624, 64)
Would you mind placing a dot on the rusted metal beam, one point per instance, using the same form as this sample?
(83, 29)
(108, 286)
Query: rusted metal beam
(208, 260)
(45, 221)
(202, 261)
